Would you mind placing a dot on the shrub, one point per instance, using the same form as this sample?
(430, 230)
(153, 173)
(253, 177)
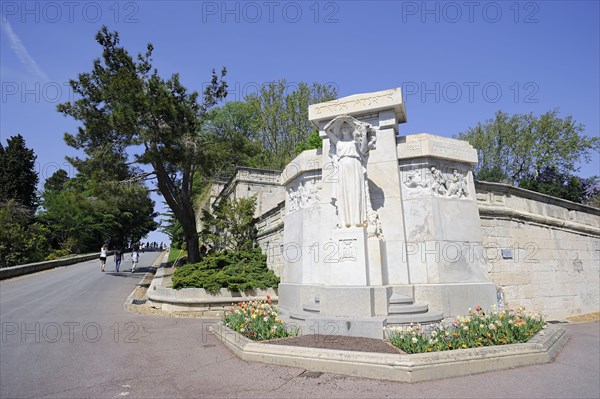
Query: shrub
(257, 321)
(475, 330)
(235, 270)
(58, 253)
(230, 225)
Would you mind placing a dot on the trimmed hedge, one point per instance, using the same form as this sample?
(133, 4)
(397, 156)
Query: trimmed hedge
(235, 270)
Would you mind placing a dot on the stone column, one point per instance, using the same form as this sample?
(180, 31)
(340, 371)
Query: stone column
(444, 238)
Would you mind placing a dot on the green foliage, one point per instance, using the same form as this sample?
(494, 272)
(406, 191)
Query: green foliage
(124, 104)
(83, 213)
(495, 175)
(514, 147)
(22, 239)
(57, 254)
(258, 321)
(311, 142)
(172, 228)
(266, 130)
(556, 184)
(18, 178)
(476, 330)
(233, 141)
(231, 225)
(235, 270)
(281, 123)
(57, 181)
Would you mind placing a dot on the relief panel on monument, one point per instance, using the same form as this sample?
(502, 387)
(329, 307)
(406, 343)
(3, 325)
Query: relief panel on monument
(305, 194)
(428, 181)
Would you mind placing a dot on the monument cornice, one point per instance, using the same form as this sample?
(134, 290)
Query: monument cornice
(359, 104)
(424, 145)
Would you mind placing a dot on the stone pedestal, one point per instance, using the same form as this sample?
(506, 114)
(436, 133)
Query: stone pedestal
(346, 257)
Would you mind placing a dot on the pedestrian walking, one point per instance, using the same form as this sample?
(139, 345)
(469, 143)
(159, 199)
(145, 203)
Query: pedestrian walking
(135, 257)
(103, 251)
(118, 258)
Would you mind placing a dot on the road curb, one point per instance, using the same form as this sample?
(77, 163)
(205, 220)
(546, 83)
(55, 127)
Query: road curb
(158, 264)
(542, 348)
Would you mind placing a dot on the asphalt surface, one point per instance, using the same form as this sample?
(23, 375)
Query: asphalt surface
(65, 334)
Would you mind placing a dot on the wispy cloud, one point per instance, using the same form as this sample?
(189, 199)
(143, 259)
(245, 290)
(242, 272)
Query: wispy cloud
(21, 52)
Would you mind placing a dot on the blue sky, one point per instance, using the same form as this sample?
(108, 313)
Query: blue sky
(457, 62)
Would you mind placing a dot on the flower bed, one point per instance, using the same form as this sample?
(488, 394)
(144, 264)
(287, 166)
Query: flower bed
(475, 330)
(257, 320)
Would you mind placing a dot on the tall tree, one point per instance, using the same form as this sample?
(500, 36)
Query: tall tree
(84, 213)
(515, 147)
(57, 181)
(282, 118)
(124, 103)
(231, 133)
(18, 178)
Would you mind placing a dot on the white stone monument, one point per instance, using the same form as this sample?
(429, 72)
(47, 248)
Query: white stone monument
(361, 211)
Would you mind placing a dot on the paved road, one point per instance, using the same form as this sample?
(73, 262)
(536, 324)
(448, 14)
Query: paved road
(85, 345)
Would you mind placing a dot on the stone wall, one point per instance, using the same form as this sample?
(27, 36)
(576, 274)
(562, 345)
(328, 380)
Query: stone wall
(270, 236)
(542, 252)
(262, 184)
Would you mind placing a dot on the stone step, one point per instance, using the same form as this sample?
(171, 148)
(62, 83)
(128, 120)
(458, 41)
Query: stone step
(401, 298)
(311, 307)
(408, 309)
(429, 317)
(292, 315)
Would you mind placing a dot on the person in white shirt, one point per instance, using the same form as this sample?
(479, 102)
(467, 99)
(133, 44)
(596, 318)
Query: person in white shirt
(103, 254)
(135, 257)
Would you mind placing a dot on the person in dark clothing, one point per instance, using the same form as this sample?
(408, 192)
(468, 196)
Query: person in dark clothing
(118, 258)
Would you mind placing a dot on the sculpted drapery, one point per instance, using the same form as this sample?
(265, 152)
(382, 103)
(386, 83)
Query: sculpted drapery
(351, 140)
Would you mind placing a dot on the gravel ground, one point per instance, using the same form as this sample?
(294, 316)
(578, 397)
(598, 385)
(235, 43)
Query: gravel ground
(588, 317)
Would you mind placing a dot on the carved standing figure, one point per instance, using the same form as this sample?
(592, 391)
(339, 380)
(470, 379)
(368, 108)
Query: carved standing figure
(438, 183)
(351, 141)
(293, 200)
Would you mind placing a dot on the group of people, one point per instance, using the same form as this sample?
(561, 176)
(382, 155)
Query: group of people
(118, 256)
(152, 246)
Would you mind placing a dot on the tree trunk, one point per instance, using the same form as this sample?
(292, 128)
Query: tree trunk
(182, 208)
(193, 249)
(191, 237)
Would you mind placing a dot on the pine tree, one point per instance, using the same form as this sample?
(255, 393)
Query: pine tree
(18, 178)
